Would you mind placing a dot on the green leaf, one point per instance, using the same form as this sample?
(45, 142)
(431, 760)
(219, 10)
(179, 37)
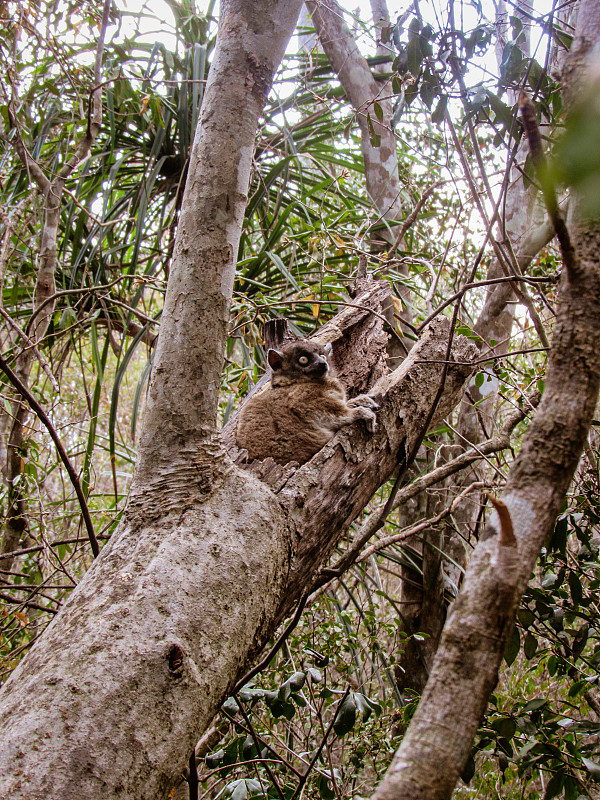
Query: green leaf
(535, 705)
(324, 789)
(512, 648)
(414, 56)
(231, 706)
(526, 617)
(577, 688)
(67, 318)
(283, 269)
(378, 110)
(374, 138)
(554, 786)
(212, 760)
(345, 717)
(576, 588)
(468, 770)
(365, 706)
(293, 684)
(505, 726)
(279, 707)
(439, 112)
(319, 659)
(530, 646)
(248, 747)
(243, 788)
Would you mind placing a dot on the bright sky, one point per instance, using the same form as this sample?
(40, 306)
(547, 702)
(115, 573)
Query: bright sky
(155, 19)
(466, 12)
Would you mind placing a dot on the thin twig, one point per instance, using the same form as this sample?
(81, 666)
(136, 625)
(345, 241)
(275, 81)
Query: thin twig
(30, 343)
(256, 741)
(266, 745)
(27, 603)
(371, 525)
(23, 551)
(265, 661)
(475, 285)
(394, 538)
(314, 759)
(26, 394)
(410, 220)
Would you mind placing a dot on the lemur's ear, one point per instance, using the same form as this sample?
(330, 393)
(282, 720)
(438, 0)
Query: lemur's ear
(328, 349)
(275, 359)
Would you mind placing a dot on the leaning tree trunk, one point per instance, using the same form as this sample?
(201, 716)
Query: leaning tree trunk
(436, 746)
(423, 602)
(208, 558)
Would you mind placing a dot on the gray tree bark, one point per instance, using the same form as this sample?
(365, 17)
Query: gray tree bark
(208, 558)
(438, 741)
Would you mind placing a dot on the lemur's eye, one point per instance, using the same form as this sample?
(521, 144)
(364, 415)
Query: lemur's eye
(303, 360)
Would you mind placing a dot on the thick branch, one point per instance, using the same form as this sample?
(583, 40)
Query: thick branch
(210, 578)
(354, 73)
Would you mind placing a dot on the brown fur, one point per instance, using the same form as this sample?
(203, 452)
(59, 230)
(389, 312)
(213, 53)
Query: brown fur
(301, 409)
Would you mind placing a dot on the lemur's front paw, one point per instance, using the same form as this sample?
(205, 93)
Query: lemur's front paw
(369, 418)
(364, 400)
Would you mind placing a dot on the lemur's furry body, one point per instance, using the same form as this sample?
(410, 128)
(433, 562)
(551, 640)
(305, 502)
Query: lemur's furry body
(301, 409)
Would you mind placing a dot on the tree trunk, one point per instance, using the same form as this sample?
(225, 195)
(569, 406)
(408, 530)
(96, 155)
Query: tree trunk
(208, 558)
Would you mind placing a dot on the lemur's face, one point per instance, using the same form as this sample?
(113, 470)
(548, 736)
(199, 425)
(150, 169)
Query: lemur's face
(300, 360)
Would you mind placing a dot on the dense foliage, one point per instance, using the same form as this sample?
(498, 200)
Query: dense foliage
(331, 699)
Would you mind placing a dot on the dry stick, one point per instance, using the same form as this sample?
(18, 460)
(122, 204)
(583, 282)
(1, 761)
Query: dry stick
(65, 292)
(523, 296)
(265, 661)
(394, 538)
(313, 760)
(475, 285)
(538, 158)
(499, 442)
(23, 551)
(30, 343)
(25, 393)
(511, 261)
(256, 741)
(265, 744)
(27, 603)
(410, 220)
(407, 461)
